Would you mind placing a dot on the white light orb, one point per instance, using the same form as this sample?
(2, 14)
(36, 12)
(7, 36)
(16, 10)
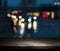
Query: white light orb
(34, 18)
(29, 20)
(20, 17)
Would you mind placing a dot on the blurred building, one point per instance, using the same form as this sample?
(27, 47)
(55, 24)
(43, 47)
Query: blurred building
(0, 3)
(5, 3)
(28, 3)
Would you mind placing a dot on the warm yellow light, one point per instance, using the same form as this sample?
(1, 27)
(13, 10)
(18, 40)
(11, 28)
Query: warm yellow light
(48, 13)
(29, 13)
(14, 21)
(36, 14)
(19, 23)
(15, 12)
(9, 15)
(52, 15)
(14, 28)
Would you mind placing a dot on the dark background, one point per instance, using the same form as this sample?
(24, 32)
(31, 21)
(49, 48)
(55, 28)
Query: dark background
(47, 28)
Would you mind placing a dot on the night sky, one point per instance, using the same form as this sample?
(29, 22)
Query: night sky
(16, 2)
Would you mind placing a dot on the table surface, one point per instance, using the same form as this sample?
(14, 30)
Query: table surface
(32, 43)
